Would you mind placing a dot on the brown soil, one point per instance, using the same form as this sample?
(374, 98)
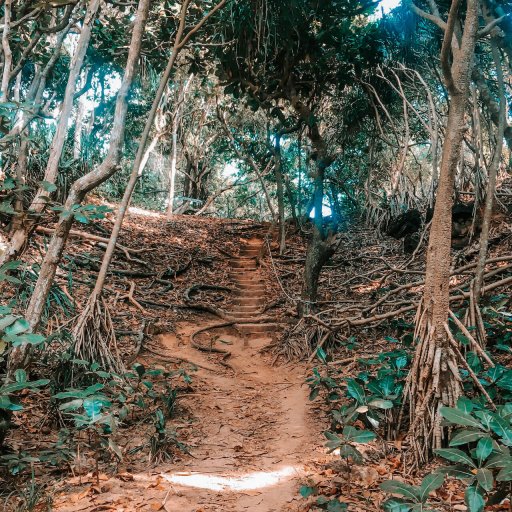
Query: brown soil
(251, 437)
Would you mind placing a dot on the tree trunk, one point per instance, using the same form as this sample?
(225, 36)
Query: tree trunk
(20, 236)
(174, 158)
(280, 194)
(319, 250)
(491, 189)
(20, 356)
(434, 380)
(7, 53)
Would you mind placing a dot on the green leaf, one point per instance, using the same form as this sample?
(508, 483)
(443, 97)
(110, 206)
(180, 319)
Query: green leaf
(26, 339)
(20, 375)
(459, 417)
(465, 404)
(363, 436)
(395, 487)
(500, 460)
(73, 405)
(474, 499)
(455, 455)
(6, 404)
(505, 475)
(336, 506)
(458, 471)
(429, 484)
(485, 479)
(355, 390)
(465, 437)
(314, 393)
(306, 491)
(92, 407)
(483, 449)
(6, 321)
(18, 327)
(381, 404)
(396, 505)
(347, 450)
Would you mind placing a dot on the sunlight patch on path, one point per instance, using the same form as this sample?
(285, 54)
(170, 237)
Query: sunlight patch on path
(249, 482)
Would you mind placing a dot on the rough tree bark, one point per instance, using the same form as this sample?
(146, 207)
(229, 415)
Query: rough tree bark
(434, 379)
(90, 333)
(176, 118)
(491, 188)
(20, 357)
(320, 247)
(278, 172)
(20, 236)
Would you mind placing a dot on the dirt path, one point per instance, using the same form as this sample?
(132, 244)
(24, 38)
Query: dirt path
(249, 432)
(255, 434)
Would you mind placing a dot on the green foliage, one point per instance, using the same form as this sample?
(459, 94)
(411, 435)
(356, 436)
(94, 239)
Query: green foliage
(412, 498)
(482, 455)
(345, 441)
(83, 213)
(15, 332)
(322, 502)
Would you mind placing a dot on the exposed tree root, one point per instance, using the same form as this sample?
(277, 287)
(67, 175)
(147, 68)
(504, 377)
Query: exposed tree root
(433, 382)
(95, 338)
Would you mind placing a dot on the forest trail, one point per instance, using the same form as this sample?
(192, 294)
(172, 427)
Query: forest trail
(255, 436)
(251, 438)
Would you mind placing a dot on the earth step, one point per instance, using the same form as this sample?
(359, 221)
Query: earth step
(251, 286)
(252, 300)
(249, 310)
(247, 273)
(258, 328)
(250, 283)
(255, 278)
(243, 264)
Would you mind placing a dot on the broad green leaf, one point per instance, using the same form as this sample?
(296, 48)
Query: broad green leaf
(459, 471)
(505, 475)
(499, 461)
(364, 436)
(20, 375)
(429, 484)
(26, 339)
(455, 455)
(466, 436)
(73, 405)
(347, 450)
(395, 487)
(459, 417)
(306, 491)
(336, 506)
(381, 404)
(474, 499)
(17, 327)
(485, 479)
(6, 404)
(355, 390)
(396, 505)
(483, 449)
(92, 407)
(49, 187)
(6, 321)
(465, 404)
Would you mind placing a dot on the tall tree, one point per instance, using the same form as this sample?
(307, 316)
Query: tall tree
(434, 379)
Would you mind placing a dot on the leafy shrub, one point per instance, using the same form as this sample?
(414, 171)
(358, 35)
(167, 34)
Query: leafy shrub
(412, 498)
